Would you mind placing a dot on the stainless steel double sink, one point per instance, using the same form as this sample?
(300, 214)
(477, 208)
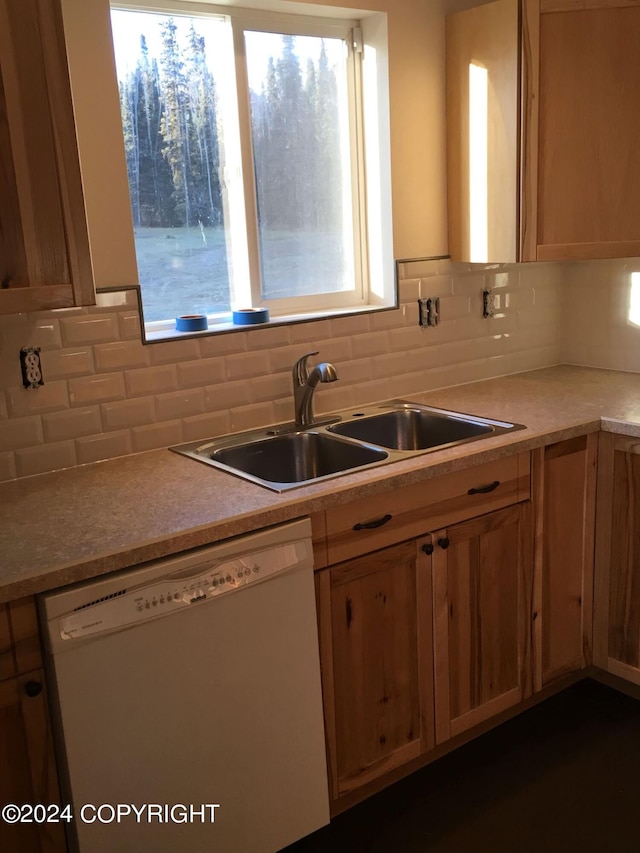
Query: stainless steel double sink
(285, 456)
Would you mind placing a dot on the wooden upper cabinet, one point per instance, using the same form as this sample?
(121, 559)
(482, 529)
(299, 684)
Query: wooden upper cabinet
(44, 248)
(482, 67)
(567, 181)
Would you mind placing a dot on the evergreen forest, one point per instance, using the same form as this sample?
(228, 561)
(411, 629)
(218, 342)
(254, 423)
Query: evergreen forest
(175, 147)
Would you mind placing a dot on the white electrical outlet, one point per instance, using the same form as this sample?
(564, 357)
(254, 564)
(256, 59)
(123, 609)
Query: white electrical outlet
(31, 367)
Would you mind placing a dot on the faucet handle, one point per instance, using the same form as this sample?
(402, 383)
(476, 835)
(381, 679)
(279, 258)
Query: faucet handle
(300, 369)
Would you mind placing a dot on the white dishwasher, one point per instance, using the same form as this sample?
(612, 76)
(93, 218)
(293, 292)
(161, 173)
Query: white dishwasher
(187, 699)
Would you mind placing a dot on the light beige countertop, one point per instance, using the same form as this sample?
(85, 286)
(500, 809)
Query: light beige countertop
(81, 522)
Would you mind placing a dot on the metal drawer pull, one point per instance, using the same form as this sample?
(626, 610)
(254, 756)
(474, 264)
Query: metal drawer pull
(371, 525)
(428, 549)
(444, 542)
(482, 490)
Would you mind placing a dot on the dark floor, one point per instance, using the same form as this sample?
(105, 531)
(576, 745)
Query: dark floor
(564, 776)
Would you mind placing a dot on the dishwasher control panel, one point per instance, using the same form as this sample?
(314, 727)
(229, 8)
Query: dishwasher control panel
(172, 593)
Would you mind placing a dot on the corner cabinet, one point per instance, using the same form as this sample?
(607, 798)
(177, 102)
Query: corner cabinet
(564, 486)
(556, 162)
(45, 260)
(617, 587)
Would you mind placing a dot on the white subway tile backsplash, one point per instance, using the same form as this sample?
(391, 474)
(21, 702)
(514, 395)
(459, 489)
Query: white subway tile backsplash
(129, 325)
(209, 425)
(304, 332)
(201, 372)
(119, 355)
(352, 324)
(46, 457)
(373, 392)
(20, 432)
(355, 371)
(226, 396)
(151, 380)
(267, 338)
(96, 389)
(247, 364)
(373, 343)
(63, 363)
(250, 417)
(107, 394)
(50, 397)
(156, 436)
(7, 466)
(332, 398)
(392, 319)
(89, 329)
(270, 388)
(128, 413)
(94, 448)
(409, 290)
(71, 423)
(334, 350)
(174, 351)
(217, 345)
(180, 404)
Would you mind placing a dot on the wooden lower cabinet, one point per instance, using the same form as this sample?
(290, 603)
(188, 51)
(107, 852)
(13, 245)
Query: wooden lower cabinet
(565, 489)
(483, 590)
(422, 640)
(617, 589)
(27, 763)
(375, 640)
(28, 767)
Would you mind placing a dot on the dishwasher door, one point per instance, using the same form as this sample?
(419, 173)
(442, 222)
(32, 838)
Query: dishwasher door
(216, 703)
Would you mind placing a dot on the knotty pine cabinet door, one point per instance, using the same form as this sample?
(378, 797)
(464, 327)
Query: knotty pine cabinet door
(617, 585)
(28, 766)
(560, 170)
(582, 120)
(45, 260)
(482, 606)
(376, 658)
(564, 476)
(27, 762)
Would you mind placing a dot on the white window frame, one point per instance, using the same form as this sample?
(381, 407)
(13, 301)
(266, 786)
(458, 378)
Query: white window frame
(375, 287)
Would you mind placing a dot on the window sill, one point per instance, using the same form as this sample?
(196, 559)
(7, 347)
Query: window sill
(151, 335)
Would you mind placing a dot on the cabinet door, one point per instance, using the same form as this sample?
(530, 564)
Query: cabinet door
(565, 534)
(617, 590)
(44, 251)
(375, 638)
(28, 771)
(582, 120)
(482, 598)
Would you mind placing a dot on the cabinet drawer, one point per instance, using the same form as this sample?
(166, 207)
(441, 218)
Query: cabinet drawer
(414, 510)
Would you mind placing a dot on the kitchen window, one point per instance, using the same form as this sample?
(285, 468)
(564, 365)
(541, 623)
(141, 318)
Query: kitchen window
(256, 171)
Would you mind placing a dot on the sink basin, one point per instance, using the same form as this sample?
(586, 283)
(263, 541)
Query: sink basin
(286, 456)
(411, 429)
(295, 458)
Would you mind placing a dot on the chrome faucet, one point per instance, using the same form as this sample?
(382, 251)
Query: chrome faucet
(304, 383)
